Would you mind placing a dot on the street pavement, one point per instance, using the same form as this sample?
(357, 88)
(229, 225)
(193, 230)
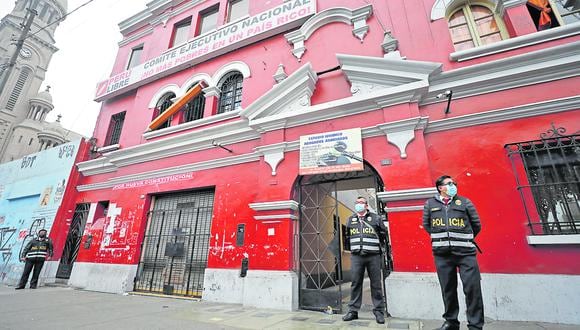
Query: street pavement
(66, 308)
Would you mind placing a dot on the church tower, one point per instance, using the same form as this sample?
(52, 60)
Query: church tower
(26, 76)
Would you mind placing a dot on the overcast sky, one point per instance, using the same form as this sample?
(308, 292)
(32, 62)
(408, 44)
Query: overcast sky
(87, 42)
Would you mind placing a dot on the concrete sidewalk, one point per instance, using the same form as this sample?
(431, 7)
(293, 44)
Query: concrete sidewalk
(66, 308)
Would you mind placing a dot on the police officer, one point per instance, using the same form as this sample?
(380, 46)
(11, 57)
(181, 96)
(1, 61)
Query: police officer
(35, 253)
(453, 223)
(365, 233)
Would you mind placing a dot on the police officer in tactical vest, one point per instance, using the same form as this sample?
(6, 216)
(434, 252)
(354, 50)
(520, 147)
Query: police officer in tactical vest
(35, 253)
(365, 233)
(453, 224)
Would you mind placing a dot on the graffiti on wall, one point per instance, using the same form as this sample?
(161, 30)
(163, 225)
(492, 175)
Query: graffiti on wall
(31, 191)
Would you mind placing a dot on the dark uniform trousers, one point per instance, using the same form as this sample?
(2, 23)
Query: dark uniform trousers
(372, 263)
(470, 277)
(31, 263)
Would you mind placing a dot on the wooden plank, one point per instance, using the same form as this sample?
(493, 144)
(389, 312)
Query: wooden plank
(159, 120)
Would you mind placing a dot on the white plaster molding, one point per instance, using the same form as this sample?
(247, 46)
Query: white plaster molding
(404, 208)
(390, 43)
(368, 74)
(194, 80)
(181, 169)
(401, 133)
(345, 107)
(553, 239)
(280, 74)
(275, 206)
(442, 7)
(548, 64)
(511, 113)
(192, 124)
(406, 194)
(273, 154)
(96, 166)
(149, 16)
(109, 148)
(227, 133)
(171, 88)
(289, 96)
(240, 66)
(560, 32)
(356, 17)
(275, 217)
(212, 91)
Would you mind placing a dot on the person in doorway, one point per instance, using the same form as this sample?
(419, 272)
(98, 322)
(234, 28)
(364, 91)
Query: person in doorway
(365, 231)
(34, 254)
(453, 223)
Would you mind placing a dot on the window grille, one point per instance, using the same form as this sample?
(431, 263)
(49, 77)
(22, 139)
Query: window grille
(164, 103)
(548, 179)
(231, 92)
(194, 108)
(17, 89)
(115, 128)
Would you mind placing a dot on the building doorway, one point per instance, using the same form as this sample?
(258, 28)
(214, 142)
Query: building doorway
(326, 202)
(176, 244)
(73, 241)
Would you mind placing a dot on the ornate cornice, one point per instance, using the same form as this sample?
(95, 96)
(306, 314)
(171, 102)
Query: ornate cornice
(494, 116)
(290, 95)
(554, 63)
(356, 17)
(274, 206)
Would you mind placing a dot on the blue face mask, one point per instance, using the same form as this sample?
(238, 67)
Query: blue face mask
(359, 208)
(451, 190)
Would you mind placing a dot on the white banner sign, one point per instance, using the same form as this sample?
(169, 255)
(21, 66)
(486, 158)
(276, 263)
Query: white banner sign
(331, 152)
(286, 16)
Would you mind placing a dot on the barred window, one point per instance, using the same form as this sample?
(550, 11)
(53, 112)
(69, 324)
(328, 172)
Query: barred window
(115, 128)
(548, 179)
(163, 104)
(193, 110)
(231, 92)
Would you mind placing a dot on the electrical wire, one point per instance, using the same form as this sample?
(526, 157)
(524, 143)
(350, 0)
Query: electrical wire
(60, 19)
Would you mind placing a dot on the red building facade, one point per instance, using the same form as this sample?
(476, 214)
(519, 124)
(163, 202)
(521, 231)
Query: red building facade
(210, 203)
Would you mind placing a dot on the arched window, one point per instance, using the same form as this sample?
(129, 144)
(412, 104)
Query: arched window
(193, 110)
(474, 25)
(164, 102)
(231, 92)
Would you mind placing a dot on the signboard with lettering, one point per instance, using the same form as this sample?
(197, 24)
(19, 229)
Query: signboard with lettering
(232, 36)
(331, 152)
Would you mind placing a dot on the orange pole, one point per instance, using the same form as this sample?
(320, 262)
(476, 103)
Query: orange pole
(159, 120)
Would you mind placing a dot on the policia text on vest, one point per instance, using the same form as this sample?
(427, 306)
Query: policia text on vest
(365, 235)
(453, 223)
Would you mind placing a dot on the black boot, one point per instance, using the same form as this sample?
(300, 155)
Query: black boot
(448, 326)
(380, 317)
(350, 316)
(19, 288)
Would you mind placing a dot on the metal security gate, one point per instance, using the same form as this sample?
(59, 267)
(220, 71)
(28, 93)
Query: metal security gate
(73, 241)
(320, 262)
(175, 247)
(320, 234)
